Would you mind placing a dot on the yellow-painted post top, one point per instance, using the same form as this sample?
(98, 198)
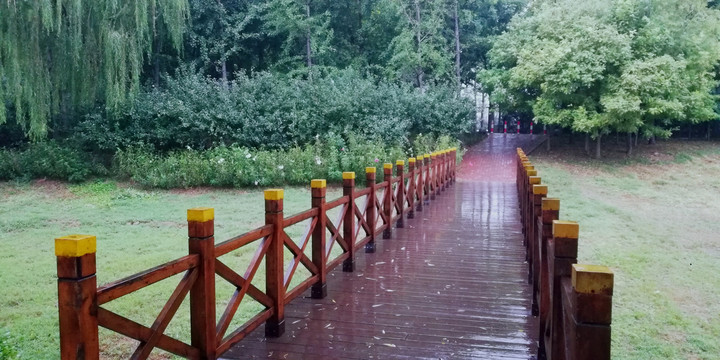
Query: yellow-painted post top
(348, 175)
(400, 163)
(201, 214)
(592, 279)
(370, 169)
(411, 160)
(274, 194)
(75, 245)
(420, 157)
(532, 173)
(551, 204)
(565, 229)
(540, 189)
(535, 180)
(529, 167)
(427, 156)
(318, 183)
(387, 166)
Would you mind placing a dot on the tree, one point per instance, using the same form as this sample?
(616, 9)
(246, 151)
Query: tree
(57, 57)
(302, 28)
(625, 65)
(419, 50)
(224, 32)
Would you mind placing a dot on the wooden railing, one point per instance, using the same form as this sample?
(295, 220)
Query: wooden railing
(80, 301)
(573, 302)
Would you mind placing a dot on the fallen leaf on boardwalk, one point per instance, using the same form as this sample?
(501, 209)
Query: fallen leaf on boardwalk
(390, 345)
(376, 305)
(429, 264)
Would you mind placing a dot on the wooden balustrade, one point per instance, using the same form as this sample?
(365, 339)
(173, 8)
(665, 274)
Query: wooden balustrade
(573, 303)
(386, 203)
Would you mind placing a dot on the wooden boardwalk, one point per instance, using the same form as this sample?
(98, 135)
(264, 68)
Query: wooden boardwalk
(451, 284)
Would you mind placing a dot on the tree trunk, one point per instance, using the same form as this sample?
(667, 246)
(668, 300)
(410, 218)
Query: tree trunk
(418, 39)
(224, 75)
(156, 60)
(629, 147)
(707, 132)
(457, 45)
(486, 111)
(308, 48)
(547, 142)
(637, 136)
(597, 146)
(587, 144)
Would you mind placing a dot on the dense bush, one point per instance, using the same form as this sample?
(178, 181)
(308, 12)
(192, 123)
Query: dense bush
(274, 112)
(7, 349)
(47, 160)
(243, 167)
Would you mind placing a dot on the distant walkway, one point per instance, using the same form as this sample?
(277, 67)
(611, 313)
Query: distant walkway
(452, 284)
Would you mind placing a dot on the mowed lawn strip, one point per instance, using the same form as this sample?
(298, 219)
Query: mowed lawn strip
(136, 230)
(654, 219)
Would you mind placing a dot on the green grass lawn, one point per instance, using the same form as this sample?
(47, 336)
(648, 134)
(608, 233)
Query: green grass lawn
(135, 229)
(652, 218)
(655, 220)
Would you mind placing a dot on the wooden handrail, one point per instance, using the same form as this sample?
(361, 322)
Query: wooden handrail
(79, 298)
(573, 303)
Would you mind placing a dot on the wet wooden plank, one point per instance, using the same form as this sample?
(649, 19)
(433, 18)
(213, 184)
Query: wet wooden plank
(451, 284)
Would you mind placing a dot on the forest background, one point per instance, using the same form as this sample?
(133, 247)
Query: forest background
(153, 88)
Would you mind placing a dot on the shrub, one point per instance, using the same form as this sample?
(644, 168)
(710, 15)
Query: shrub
(48, 160)
(274, 112)
(7, 350)
(244, 167)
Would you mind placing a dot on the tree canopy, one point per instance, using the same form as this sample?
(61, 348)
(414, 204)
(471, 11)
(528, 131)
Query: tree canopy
(61, 60)
(60, 56)
(615, 65)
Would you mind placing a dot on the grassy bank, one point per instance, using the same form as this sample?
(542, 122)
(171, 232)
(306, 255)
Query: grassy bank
(653, 218)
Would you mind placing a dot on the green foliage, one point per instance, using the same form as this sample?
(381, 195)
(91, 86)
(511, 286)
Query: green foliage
(48, 160)
(273, 112)
(243, 167)
(57, 56)
(7, 350)
(624, 65)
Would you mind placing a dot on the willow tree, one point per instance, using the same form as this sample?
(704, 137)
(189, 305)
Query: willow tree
(59, 56)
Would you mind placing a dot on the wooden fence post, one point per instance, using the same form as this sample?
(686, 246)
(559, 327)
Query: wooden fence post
(411, 188)
(387, 201)
(77, 299)
(420, 186)
(550, 213)
(589, 320)
(319, 258)
(370, 215)
(349, 221)
(441, 171)
(274, 283)
(427, 178)
(531, 181)
(434, 175)
(562, 253)
(201, 242)
(400, 197)
(539, 193)
(453, 164)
